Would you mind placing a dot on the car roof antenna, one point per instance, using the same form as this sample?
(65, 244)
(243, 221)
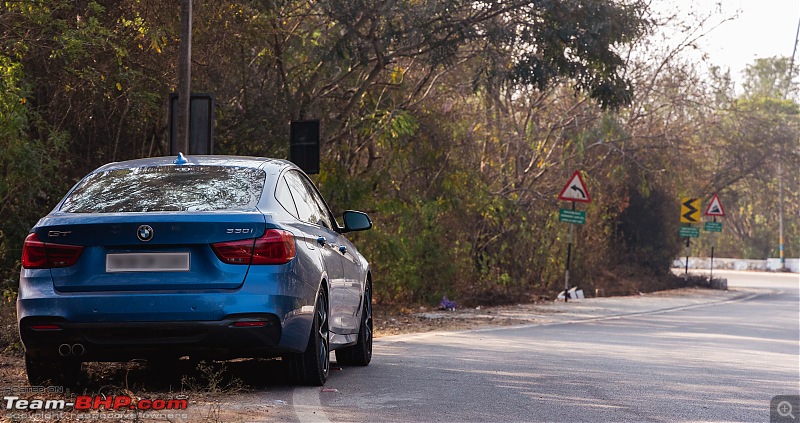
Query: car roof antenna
(180, 160)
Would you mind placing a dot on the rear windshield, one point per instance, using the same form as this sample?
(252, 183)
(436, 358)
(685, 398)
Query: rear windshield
(167, 188)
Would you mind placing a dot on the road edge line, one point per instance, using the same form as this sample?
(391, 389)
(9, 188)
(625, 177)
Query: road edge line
(412, 336)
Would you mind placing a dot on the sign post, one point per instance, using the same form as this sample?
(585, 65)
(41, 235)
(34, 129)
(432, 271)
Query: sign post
(304, 145)
(714, 209)
(711, 268)
(201, 125)
(690, 213)
(574, 191)
(569, 254)
(184, 78)
(688, 251)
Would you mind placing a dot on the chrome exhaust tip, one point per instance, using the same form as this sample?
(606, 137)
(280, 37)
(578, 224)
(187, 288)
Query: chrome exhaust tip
(78, 350)
(64, 350)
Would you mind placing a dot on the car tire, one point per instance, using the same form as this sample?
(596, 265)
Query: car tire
(312, 366)
(360, 354)
(52, 371)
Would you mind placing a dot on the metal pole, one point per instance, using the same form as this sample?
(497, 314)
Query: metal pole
(686, 272)
(184, 77)
(569, 255)
(780, 210)
(713, 241)
(780, 159)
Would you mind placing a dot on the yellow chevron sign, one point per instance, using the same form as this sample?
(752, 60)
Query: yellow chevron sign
(690, 210)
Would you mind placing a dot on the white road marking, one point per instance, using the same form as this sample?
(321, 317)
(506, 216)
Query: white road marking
(307, 406)
(418, 336)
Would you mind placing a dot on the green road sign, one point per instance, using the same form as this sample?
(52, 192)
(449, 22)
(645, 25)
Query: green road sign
(713, 227)
(688, 231)
(572, 216)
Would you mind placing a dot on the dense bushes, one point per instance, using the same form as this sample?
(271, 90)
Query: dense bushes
(440, 119)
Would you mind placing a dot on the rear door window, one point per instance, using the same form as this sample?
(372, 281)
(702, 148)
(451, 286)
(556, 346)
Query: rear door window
(320, 203)
(303, 195)
(168, 188)
(284, 197)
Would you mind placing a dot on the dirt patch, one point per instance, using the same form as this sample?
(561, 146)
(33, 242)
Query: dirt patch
(628, 280)
(402, 321)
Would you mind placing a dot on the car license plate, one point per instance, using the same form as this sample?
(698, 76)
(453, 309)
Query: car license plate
(147, 262)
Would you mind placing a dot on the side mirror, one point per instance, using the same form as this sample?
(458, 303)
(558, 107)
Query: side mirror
(356, 221)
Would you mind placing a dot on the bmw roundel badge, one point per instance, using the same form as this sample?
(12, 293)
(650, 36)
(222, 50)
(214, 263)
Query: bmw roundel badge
(144, 233)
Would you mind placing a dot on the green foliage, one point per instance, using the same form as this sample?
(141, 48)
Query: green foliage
(454, 124)
(29, 167)
(754, 151)
(415, 257)
(770, 78)
(576, 39)
(645, 232)
(13, 95)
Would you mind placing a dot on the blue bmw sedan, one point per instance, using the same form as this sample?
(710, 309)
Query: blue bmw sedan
(210, 257)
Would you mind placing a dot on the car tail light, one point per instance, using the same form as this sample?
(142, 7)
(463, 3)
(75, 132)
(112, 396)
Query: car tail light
(274, 247)
(44, 255)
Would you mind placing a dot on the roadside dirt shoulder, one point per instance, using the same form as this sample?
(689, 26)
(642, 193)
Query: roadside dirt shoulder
(396, 322)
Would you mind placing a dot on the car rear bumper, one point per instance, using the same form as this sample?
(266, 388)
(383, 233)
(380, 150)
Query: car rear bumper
(252, 335)
(114, 327)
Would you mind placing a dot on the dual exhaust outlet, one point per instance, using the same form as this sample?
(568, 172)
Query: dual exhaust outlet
(66, 350)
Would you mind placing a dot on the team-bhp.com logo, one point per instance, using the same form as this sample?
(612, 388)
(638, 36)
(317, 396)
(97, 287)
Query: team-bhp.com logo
(88, 402)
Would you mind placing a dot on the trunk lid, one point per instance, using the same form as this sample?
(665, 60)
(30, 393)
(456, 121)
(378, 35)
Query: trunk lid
(151, 251)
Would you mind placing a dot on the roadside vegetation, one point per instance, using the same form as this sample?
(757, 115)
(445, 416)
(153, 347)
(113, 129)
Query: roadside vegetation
(454, 124)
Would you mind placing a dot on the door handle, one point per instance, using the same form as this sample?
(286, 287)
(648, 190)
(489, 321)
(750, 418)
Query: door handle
(343, 249)
(321, 240)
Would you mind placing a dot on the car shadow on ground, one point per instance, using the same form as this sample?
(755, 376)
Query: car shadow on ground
(184, 376)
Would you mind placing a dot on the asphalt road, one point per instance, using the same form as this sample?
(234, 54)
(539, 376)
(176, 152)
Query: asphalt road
(713, 362)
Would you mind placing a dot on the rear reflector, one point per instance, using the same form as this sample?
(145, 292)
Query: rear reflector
(45, 327)
(44, 255)
(249, 324)
(274, 247)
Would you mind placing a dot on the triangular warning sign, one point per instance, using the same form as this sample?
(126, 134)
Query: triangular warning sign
(715, 207)
(575, 190)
